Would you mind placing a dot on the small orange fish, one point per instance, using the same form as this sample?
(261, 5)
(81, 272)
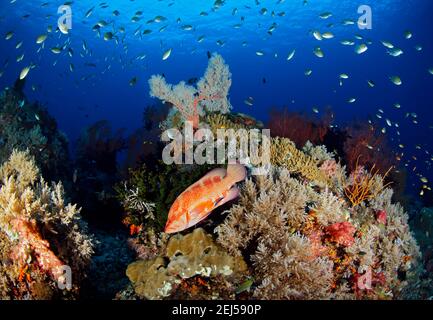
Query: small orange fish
(133, 229)
(201, 198)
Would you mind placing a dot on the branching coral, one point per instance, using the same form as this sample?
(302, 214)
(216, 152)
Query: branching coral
(192, 103)
(42, 232)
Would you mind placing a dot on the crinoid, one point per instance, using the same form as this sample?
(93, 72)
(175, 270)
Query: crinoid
(365, 185)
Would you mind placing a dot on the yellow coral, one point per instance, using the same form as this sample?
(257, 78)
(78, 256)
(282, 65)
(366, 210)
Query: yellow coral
(285, 154)
(196, 253)
(220, 121)
(364, 186)
(150, 278)
(188, 256)
(22, 167)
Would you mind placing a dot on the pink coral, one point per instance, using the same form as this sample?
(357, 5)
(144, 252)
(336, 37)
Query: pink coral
(341, 233)
(329, 167)
(317, 248)
(381, 216)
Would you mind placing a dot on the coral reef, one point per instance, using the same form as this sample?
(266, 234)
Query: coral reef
(192, 103)
(188, 256)
(40, 233)
(27, 126)
(306, 230)
(310, 244)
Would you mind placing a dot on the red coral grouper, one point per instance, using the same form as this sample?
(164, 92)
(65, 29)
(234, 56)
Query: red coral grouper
(208, 193)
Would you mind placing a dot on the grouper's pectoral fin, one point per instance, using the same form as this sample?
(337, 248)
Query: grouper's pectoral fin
(233, 193)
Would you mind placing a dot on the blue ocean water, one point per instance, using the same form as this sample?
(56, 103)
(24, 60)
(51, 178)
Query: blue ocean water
(99, 85)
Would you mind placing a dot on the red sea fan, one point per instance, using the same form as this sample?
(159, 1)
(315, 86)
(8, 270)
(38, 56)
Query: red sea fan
(367, 147)
(298, 127)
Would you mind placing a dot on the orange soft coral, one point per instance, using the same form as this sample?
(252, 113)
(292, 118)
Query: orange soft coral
(31, 240)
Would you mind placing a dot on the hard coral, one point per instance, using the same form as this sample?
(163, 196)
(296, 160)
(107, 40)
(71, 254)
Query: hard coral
(196, 253)
(285, 154)
(185, 257)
